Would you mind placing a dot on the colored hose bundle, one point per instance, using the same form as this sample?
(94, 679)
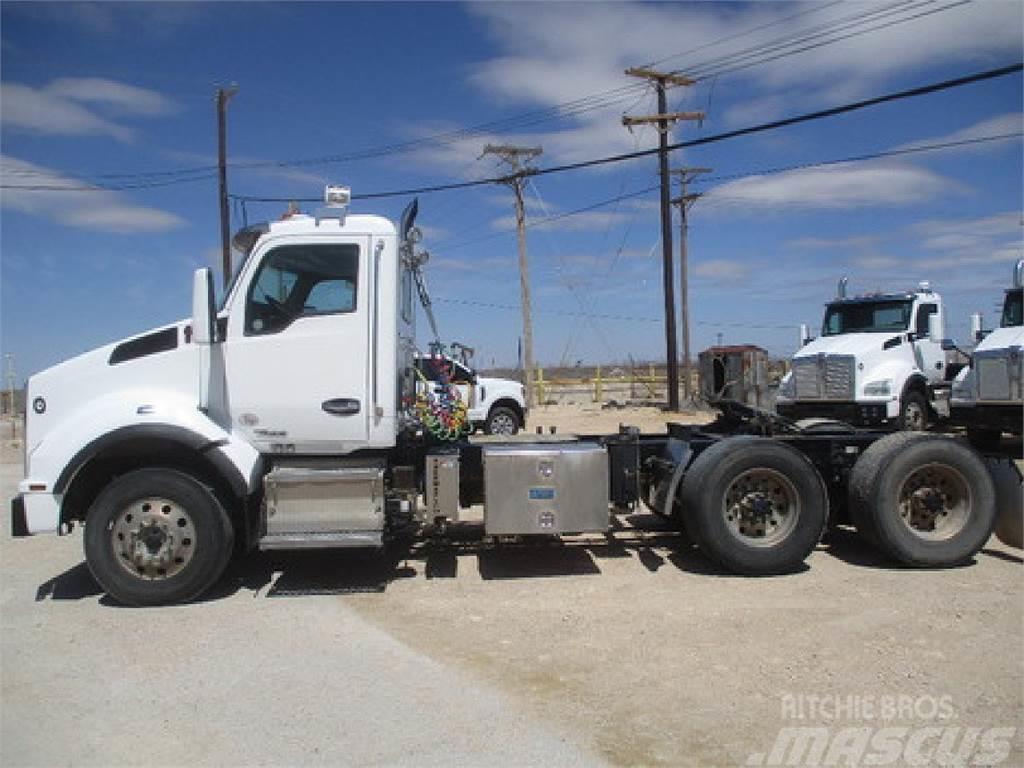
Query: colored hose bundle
(440, 407)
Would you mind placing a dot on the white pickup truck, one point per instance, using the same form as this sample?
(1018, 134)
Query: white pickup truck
(497, 406)
(879, 362)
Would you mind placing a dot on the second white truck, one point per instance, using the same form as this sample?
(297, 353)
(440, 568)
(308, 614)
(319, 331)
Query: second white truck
(879, 362)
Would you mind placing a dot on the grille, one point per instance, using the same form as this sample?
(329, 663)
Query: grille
(999, 375)
(826, 377)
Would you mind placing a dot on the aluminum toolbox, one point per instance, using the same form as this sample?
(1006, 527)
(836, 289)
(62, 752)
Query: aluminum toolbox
(542, 488)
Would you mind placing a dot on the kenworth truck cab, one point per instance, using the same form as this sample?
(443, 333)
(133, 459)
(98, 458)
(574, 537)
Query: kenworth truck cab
(289, 418)
(988, 396)
(879, 362)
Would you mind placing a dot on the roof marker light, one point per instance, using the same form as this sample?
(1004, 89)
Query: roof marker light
(337, 197)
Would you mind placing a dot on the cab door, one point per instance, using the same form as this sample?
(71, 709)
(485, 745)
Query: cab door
(929, 356)
(296, 355)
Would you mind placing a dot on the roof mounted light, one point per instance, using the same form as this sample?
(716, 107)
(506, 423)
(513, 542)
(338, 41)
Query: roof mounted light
(337, 197)
(925, 286)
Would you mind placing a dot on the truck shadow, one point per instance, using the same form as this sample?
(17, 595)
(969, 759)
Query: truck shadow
(650, 543)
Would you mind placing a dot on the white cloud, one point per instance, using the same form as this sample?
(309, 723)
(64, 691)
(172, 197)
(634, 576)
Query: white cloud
(962, 234)
(557, 53)
(1010, 123)
(823, 243)
(61, 108)
(720, 269)
(577, 222)
(99, 210)
(846, 185)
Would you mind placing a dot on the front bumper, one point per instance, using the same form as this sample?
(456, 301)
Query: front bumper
(1005, 417)
(34, 511)
(19, 523)
(857, 414)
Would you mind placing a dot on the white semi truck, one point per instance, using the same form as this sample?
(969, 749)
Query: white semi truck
(988, 397)
(288, 418)
(879, 362)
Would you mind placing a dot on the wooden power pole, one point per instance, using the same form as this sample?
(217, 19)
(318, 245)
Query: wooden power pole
(517, 157)
(663, 119)
(684, 201)
(223, 97)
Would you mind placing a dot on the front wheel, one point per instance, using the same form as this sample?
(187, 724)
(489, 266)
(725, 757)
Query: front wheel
(157, 536)
(502, 421)
(754, 505)
(913, 412)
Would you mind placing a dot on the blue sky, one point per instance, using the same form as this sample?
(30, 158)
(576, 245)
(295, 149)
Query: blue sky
(95, 94)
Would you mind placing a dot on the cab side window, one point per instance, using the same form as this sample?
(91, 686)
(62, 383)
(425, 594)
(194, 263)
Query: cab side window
(297, 281)
(923, 313)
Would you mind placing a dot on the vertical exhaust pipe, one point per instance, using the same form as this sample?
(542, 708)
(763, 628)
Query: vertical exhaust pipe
(841, 288)
(976, 333)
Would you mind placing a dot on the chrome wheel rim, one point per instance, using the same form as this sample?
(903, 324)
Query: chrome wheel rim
(934, 502)
(503, 424)
(153, 538)
(761, 507)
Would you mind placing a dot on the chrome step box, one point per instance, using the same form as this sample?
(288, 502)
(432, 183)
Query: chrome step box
(323, 505)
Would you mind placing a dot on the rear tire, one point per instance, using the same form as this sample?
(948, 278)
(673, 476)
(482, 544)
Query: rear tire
(156, 537)
(925, 500)
(754, 505)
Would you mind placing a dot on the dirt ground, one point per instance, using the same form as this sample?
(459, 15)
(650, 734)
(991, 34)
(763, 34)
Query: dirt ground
(625, 649)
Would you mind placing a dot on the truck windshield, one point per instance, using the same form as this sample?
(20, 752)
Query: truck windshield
(867, 317)
(1013, 309)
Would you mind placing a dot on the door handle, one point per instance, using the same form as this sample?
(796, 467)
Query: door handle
(341, 406)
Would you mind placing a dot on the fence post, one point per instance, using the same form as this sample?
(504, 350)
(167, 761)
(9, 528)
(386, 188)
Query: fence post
(598, 388)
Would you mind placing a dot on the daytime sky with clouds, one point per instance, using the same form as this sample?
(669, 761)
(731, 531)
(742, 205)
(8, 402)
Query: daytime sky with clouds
(108, 156)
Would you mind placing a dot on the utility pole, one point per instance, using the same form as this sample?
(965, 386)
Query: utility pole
(663, 119)
(684, 201)
(9, 375)
(223, 97)
(516, 157)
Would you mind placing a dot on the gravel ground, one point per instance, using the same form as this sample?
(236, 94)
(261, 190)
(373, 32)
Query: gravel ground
(629, 649)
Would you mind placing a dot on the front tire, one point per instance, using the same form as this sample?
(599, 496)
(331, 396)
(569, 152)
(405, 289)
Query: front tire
(913, 412)
(157, 536)
(925, 500)
(754, 505)
(502, 420)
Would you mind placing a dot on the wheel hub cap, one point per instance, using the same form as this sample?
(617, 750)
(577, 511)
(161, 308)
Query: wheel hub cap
(153, 538)
(934, 502)
(761, 507)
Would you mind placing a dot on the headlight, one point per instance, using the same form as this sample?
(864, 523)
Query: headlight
(787, 388)
(881, 388)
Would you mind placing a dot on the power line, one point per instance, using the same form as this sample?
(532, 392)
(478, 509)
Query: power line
(760, 128)
(712, 139)
(571, 108)
(747, 174)
(804, 49)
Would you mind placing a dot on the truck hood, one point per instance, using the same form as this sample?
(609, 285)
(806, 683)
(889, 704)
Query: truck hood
(1001, 338)
(846, 344)
(160, 358)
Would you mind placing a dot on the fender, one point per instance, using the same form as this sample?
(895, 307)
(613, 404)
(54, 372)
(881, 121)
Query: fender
(133, 414)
